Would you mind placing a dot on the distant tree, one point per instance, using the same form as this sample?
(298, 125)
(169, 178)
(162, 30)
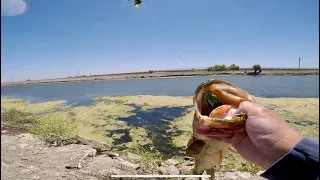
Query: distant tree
(217, 67)
(210, 68)
(256, 67)
(233, 67)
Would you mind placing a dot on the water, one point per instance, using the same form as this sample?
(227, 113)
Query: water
(80, 93)
(156, 122)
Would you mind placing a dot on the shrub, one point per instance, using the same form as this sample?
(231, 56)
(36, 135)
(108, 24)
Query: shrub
(217, 67)
(233, 67)
(54, 127)
(256, 67)
(18, 118)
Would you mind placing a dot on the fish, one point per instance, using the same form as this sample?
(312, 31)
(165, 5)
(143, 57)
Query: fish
(215, 104)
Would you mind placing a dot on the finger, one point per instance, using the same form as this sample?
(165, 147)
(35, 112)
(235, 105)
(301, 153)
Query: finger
(247, 107)
(212, 133)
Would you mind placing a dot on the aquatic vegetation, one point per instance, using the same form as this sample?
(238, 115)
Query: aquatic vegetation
(150, 102)
(27, 106)
(159, 125)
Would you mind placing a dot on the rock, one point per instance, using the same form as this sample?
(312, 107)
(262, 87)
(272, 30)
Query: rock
(113, 154)
(26, 137)
(120, 159)
(231, 175)
(163, 170)
(99, 146)
(77, 161)
(188, 158)
(236, 175)
(186, 169)
(39, 160)
(92, 153)
(133, 157)
(173, 170)
(244, 175)
(189, 163)
(172, 162)
(169, 170)
(125, 165)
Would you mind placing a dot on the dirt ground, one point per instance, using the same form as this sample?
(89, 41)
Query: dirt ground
(165, 74)
(25, 156)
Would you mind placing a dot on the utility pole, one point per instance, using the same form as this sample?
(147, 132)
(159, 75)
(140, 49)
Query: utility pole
(78, 73)
(299, 62)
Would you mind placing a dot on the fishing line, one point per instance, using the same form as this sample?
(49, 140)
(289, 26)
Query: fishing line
(154, 21)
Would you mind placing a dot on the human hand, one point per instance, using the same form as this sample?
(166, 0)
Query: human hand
(267, 137)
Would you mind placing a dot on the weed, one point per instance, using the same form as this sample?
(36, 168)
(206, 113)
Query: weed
(18, 118)
(54, 128)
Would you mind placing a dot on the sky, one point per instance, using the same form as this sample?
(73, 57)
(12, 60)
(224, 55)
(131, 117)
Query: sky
(43, 39)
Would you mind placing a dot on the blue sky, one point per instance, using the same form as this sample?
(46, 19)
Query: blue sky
(53, 38)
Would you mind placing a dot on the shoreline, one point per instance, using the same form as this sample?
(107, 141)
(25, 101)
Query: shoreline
(111, 123)
(165, 74)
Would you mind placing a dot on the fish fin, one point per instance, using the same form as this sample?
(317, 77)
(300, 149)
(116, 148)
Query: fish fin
(231, 149)
(194, 147)
(220, 157)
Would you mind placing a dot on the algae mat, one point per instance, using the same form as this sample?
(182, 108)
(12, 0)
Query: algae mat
(158, 124)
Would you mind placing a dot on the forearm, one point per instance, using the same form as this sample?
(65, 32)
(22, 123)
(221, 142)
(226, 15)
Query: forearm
(300, 163)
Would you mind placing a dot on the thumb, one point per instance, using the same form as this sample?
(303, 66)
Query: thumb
(247, 107)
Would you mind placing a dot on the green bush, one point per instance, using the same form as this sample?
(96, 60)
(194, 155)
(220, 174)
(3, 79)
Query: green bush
(54, 127)
(256, 67)
(18, 118)
(233, 67)
(217, 67)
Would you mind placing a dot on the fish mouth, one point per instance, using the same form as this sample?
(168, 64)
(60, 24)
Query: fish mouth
(216, 102)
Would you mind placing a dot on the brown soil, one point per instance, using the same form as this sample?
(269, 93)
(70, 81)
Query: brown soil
(166, 74)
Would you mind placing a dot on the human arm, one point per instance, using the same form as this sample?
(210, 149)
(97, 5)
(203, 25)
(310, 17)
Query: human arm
(300, 163)
(271, 143)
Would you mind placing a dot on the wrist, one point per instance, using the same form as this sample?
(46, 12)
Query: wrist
(286, 144)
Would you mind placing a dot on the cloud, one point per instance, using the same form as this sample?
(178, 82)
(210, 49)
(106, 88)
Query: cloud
(13, 7)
